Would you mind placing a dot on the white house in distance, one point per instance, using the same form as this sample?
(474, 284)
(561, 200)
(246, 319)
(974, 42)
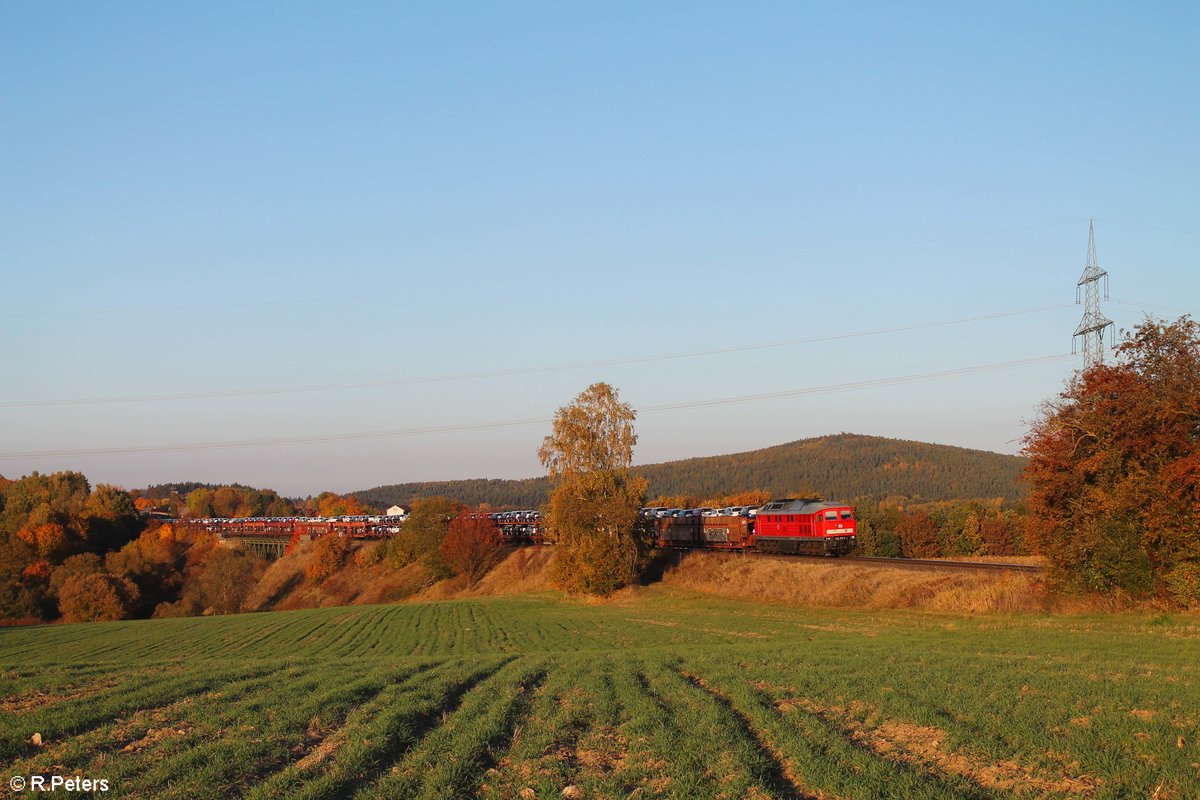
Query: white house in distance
(398, 511)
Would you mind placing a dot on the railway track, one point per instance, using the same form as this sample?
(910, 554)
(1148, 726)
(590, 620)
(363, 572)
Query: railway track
(901, 563)
(934, 563)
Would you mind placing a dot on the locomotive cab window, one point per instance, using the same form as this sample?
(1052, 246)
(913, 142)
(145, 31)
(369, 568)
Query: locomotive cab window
(830, 515)
(847, 515)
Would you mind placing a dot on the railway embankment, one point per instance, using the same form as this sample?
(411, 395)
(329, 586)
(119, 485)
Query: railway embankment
(834, 583)
(285, 586)
(838, 583)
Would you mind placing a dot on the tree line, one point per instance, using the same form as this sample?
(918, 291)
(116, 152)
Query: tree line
(81, 553)
(233, 501)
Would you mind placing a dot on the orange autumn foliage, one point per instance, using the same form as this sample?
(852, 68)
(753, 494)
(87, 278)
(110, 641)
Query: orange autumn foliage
(39, 571)
(50, 540)
(1114, 469)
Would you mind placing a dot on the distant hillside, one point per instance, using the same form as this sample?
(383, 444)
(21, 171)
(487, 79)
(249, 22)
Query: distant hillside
(844, 466)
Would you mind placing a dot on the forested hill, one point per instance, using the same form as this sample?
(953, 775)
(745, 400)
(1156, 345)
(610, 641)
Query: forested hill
(844, 466)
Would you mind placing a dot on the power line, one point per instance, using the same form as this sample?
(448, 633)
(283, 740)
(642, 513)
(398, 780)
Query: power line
(96, 312)
(1138, 304)
(870, 384)
(384, 295)
(503, 373)
(411, 432)
(938, 240)
(1147, 227)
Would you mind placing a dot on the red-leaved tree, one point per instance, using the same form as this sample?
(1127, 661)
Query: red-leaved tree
(1114, 469)
(918, 536)
(472, 546)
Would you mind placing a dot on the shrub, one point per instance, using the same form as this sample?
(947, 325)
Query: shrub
(400, 551)
(371, 554)
(1183, 582)
(186, 607)
(329, 554)
(1105, 555)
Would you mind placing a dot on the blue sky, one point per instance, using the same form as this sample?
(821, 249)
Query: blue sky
(219, 198)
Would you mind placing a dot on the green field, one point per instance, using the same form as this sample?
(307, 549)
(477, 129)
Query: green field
(666, 695)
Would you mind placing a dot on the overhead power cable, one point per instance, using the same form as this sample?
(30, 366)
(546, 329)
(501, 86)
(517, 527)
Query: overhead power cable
(384, 295)
(411, 432)
(98, 312)
(871, 384)
(509, 372)
(1140, 305)
(1147, 227)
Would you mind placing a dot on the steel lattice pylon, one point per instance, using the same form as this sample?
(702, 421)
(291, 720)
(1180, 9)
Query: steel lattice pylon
(1092, 326)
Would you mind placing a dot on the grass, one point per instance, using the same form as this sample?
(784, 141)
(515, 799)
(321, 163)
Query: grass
(661, 694)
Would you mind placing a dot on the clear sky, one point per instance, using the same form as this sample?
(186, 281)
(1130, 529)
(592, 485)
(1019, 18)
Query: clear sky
(223, 198)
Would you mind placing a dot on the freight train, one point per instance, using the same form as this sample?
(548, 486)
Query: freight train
(795, 526)
(803, 526)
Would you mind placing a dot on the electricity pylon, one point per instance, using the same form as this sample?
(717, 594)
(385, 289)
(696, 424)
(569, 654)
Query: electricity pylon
(1093, 324)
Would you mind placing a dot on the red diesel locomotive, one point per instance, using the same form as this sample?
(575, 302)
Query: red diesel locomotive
(790, 526)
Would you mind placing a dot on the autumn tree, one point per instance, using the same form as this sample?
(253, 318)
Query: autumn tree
(421, 536)
(200, 503)
(999, 535)
(876, 524)
(593, 509)
(37, 499)
(228, 576)
(96, 596)
(74, 567)
(328, 555)
(1114, 469)
(875, 541)
(110, 518)
(750, 497)
(918, 536)
(330, 504)
(677, 501)
(49, 539)
(20, 597)
(152, 563)
(226, 500)
(472, 546)
(46, 518)
(38, 572)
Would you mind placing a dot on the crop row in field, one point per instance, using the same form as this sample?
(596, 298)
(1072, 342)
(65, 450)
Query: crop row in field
(666, 696)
